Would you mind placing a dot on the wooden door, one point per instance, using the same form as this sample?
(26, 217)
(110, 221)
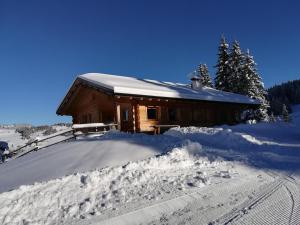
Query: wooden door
(126, 117)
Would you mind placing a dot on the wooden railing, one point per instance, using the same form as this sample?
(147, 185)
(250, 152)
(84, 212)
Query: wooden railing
(36, 144)
(94, 126)
(158, 127)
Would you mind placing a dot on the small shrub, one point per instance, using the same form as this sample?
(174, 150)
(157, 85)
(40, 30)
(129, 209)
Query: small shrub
(25, 131)
(50, 130)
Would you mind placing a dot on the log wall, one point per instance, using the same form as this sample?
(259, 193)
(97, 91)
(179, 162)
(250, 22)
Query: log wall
(94, 106)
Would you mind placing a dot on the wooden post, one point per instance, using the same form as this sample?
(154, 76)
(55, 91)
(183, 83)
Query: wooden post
(118, 115)
(137, 117)
(133, 117)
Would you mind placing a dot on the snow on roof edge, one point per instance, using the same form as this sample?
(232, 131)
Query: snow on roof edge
(229, 97)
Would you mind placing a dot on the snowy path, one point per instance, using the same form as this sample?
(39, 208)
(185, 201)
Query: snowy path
(279, 204)
(198, 207)
(267, 200)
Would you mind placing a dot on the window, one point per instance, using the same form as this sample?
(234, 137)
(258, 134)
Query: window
(172, 114)
(125, 115)
(152, 113)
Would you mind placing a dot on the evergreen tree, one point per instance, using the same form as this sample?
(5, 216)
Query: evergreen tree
(285, 114)
(252, 86)
(204, 75)
(222, 67)
(245, 80)
(248, 76)
(235, 78)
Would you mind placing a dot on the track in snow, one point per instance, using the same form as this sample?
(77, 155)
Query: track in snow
(277, 203)
(203, 204)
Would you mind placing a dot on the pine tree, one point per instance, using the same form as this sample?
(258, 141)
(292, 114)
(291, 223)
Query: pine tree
(247, 76)
(204, 75)
(223, 71)
(235, 78)
(253, 87)
(285, 114)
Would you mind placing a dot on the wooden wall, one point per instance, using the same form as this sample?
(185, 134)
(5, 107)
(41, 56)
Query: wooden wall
(94, 106)
(144, 122)
(188, 113)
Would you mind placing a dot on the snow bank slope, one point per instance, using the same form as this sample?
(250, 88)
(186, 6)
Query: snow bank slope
(80, 156)
(264, 145)
(244, 137)
(84, 195)
(241, 137)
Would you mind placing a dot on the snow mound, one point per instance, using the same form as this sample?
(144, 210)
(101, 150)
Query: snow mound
(296, 114)
(217, 137)
(238, 138)
(84, 195)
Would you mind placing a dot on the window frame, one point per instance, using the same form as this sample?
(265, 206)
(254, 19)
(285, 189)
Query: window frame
(156, 112)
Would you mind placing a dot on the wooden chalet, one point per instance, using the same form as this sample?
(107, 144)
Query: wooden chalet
(140, 105)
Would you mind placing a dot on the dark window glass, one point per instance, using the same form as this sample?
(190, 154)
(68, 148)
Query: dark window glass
(125, 115)
(172, 114)
(152, 113)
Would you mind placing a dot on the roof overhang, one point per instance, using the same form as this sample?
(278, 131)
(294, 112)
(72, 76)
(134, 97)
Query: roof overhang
(136, 89)
(78, 82)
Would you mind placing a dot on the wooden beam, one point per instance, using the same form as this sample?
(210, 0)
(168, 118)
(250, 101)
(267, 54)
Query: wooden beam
(134, 118)
(118, 115)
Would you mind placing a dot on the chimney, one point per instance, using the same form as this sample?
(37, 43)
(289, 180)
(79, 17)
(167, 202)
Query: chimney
(196, 84)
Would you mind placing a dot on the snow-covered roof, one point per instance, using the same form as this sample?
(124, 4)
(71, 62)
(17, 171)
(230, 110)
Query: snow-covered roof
(124, 85)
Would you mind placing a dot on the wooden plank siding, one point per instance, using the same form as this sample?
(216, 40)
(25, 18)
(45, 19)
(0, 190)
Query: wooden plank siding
(92, 106)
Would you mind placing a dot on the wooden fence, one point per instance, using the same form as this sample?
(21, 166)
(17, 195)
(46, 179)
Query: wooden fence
(37, 144)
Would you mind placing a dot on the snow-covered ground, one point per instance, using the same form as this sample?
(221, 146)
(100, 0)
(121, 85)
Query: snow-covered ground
(9, 134)
(13, 138)
(244, 174)
(80, 156)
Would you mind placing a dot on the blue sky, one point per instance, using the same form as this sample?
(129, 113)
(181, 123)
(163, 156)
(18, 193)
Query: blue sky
(45, 44)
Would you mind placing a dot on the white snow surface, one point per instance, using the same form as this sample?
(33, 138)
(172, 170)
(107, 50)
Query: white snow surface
(146, 87)
(14, 139)
(84, 195)
(194, 175)
(79, 156)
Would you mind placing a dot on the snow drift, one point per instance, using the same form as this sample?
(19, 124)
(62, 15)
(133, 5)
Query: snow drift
(83, 195)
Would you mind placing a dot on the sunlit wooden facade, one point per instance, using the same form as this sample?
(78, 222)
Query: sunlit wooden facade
(87, 103)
